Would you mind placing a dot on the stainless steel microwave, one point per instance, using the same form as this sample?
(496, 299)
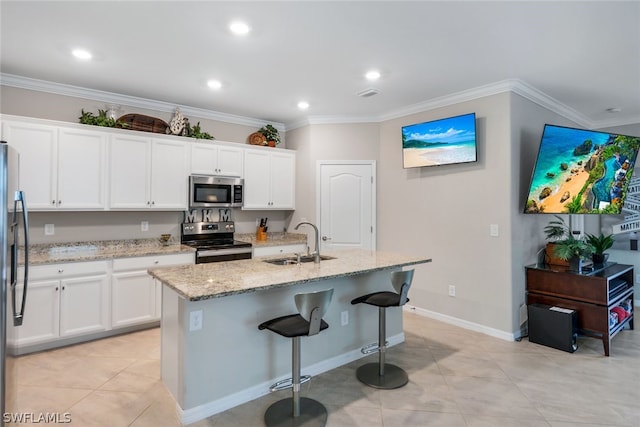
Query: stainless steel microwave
(208, 191)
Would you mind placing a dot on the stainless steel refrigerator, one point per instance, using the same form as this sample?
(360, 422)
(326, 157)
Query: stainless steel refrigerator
(13, 221)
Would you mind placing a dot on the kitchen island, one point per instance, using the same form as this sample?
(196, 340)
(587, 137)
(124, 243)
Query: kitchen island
(214, 357)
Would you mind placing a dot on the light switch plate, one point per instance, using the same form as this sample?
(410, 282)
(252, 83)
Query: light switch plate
(494, 230)
(144, 226)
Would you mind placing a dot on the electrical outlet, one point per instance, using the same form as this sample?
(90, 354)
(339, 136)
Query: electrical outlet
(144, 226)
(452, 291)
(494, 230)
(49, 230)
(344, 318)
(195, 320)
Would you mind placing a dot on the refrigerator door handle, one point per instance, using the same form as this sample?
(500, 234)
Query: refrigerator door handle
(18, 317)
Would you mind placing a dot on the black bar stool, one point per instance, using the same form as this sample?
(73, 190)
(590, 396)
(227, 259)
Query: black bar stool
(385, 375)
(297, 411)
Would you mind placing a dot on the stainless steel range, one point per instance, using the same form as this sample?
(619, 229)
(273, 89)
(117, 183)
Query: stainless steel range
(214, 242)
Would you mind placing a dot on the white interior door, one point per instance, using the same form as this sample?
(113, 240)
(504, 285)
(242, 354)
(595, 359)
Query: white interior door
(347, 204)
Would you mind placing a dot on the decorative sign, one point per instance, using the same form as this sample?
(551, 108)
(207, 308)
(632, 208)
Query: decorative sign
(207, 215)
(631, 206)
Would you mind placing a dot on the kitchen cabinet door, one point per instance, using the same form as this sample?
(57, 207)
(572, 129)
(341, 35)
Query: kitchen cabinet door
(84, 303)
(133, 296)
(283, 178)
(81, 170)
(269, 179)
(37, 146)
(257, 180)
(41, 321)
(169, 178)
(129, 172)
(230, 161)
(210, 159)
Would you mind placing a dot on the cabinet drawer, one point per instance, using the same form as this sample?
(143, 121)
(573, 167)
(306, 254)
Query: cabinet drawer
(65, 270)
(279, 250)
(142, 263)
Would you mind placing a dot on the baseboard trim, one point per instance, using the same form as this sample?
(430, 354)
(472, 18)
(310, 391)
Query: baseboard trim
(465, 324)
(192, 415)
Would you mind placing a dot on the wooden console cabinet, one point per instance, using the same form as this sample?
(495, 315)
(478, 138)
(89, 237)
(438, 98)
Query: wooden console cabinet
(593, 294)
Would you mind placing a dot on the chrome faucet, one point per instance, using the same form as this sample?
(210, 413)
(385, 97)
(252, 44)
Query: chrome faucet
(316, 254)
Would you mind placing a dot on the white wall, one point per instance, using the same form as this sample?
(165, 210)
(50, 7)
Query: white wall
(445, 212)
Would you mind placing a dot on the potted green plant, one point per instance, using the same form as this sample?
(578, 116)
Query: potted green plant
(565, 246)
(271, 134)
(599, 244)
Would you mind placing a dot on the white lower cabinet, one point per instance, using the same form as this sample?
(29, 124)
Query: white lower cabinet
(64, 300)
(135, 294)
(70, 301)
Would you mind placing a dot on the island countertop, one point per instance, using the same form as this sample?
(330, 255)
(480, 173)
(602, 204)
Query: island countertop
(215, 280)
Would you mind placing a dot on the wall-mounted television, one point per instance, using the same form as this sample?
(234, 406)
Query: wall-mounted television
(440, 142)
(581, 171)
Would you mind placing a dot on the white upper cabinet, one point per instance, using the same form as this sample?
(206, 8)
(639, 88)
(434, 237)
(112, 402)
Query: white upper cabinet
(269, 179)
(147, 173)
(60, 168)
(169, 175)
(81, 169)
(209, 159)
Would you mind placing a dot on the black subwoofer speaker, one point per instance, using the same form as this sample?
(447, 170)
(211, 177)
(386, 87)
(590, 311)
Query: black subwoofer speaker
(552, 326)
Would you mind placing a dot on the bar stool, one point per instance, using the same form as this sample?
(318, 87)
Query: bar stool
(297, 411)
(384, 375)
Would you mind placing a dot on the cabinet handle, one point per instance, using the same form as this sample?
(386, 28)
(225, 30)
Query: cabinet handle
(153, 202)
(53, 202)
(156, 262)
(148, 202)
(56, 288)
(59, 202)
(63, 288)
(61, 270)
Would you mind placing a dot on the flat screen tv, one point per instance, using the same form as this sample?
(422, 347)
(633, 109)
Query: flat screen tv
(440, 142)
(581, 171)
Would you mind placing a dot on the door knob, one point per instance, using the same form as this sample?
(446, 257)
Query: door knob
(325, 238)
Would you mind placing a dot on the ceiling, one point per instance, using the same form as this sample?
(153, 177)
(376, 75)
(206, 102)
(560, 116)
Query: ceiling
(585, 56)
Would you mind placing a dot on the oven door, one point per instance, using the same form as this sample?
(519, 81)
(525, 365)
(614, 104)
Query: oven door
(226, 254)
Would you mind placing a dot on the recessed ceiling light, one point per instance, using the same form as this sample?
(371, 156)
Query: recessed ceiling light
(372, 75)
(303, 105)
(239, 28)
(214, 84)
(81, 54)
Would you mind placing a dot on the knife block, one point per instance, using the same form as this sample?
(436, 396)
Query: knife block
(261, 235)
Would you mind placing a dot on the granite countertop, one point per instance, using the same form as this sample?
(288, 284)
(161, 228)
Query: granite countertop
(215, 280)
(99, 250)
(273, 239)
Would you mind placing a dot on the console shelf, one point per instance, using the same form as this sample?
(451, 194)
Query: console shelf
(593, 294)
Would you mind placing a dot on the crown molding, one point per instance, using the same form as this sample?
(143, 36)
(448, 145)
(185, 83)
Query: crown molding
(510, 85)
(131, 101)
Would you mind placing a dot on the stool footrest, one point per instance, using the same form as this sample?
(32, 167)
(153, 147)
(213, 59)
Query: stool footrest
(288, 383)
(372, 348)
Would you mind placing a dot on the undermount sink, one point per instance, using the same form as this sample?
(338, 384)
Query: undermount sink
(294, 260)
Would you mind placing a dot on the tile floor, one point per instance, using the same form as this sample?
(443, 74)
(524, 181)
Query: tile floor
(457, 378)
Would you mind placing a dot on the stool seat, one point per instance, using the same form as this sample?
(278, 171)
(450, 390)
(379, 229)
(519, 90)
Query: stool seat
(384, 375)
(290, 326)
(380, 299)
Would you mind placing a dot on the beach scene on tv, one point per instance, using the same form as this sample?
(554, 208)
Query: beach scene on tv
(440, 142)
(581, 171)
